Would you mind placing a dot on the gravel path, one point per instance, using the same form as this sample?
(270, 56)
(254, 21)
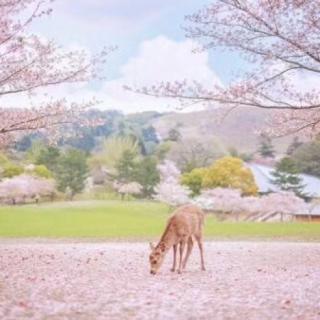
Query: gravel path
(82, 281)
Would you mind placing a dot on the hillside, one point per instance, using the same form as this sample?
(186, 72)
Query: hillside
(238, 129)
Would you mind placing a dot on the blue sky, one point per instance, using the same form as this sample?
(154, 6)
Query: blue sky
(151, 47)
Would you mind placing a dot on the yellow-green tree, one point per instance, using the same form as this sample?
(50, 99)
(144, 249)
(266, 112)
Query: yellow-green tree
(194, 180)
(112, 151)
(230, 172)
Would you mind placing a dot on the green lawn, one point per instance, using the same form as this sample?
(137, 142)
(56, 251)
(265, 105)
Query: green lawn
(129, 220)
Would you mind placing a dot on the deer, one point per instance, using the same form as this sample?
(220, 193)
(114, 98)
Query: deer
(185, 223)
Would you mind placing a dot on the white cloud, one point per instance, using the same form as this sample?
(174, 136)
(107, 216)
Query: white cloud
(158, 59)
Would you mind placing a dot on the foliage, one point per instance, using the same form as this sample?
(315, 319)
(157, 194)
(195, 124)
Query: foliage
(194, 180)
(3, 159)
(126, 167)
(266, 149)
(49, 157)
(11, 170)
(147, 175)
(143, 171)
(36, 148)
(42, 171)
(230, 172)
(307, 157)
(149, 134)
(71, 171)
(111, 152)
(286, 177)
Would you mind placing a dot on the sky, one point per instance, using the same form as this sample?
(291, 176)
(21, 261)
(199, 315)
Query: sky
(151, 47)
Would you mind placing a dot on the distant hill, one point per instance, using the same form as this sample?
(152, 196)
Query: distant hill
(238, 129)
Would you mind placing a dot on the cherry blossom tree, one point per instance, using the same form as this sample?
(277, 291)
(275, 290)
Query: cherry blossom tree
(24, 187)
(230, 201)
(220, 200)
(169, 190)
(131, 188)
(279, 40)
(283, 202)
(168, 169)
(29, 62)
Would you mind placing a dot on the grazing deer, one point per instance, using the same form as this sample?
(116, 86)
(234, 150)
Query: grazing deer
(185, 223)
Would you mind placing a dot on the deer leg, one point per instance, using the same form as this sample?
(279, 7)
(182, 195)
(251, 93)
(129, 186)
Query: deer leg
(189, 249)
(182, 245)
(173, 269)
(200, 244)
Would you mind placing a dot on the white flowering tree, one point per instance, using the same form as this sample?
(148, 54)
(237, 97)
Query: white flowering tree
(220, 200)
(126, 189)
(283, 203)
(271, 206)
(168, 169)
(169, 190)
(23, 187)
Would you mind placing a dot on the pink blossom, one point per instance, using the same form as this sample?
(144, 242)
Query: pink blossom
(25, 186)
(279, 40)
(169, 190)
(29, 62)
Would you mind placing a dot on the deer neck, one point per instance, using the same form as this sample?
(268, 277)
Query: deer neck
(167, 241)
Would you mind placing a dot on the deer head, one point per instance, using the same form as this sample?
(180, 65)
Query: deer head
(156, 257)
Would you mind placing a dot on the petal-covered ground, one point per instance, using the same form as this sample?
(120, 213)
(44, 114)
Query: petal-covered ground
(244, 280)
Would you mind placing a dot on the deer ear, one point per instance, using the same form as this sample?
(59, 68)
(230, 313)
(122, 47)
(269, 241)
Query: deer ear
(151, 246)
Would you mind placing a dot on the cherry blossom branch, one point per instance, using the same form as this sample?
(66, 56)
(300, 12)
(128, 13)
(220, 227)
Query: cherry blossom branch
(278, 38)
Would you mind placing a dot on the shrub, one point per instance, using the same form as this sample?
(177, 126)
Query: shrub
(230, 172)
(11, 170)
(42, 171)
(194, 180)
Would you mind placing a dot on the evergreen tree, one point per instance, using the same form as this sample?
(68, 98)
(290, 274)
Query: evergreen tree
(307, 157)
(286, 177)
(266, 149)
(126, 166)
(71, 171)
(49, 157)
(147, 174)
(149, 134)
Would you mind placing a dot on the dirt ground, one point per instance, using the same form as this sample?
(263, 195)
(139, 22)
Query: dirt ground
(83, 281)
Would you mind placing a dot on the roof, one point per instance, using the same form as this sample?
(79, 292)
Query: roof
(263, 177)
(313, 211)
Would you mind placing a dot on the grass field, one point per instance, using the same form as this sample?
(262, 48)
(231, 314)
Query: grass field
(129, 220)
